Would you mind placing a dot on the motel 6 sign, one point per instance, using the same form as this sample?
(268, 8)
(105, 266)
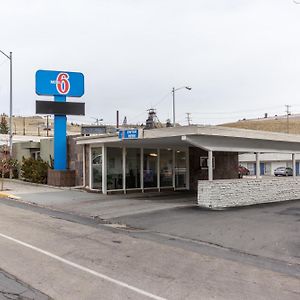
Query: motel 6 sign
(61, 85)
(56, 83)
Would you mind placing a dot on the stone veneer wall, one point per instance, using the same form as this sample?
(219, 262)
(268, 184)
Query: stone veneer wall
(226, 166)
(241, 192)
(75, 159)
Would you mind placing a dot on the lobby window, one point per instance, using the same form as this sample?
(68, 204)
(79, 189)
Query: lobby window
(166, 168)
(114, 169)
(180, 169)
(133, 168)
(97, 168)
(150, 168)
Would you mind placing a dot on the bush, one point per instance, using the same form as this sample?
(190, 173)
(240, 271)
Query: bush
(34, 170)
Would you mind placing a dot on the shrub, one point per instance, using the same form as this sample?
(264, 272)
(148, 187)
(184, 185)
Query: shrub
(34, 170)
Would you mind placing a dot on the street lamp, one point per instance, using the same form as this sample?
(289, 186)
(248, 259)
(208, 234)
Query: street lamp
(173, 92)
(10, 100)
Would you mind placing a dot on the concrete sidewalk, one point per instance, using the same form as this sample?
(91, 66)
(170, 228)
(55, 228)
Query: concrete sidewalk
(95, 204)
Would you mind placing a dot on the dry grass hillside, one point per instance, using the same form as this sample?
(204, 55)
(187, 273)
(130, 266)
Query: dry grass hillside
(279, 125)
(37, 125)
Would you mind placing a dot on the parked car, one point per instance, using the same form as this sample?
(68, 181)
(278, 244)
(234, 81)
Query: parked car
(243, 171)
(283, 171)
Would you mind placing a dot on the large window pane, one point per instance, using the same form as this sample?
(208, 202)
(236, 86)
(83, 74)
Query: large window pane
(166, 167)
(114, 168)
(133, 168)
(97, 168)
(180, 169)
(150, 168)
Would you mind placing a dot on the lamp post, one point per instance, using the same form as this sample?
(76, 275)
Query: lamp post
(10, 99)
(173, 92)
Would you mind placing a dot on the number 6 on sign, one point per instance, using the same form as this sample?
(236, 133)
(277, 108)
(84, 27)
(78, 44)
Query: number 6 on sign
(63, 83)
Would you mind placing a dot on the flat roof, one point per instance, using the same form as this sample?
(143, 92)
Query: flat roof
(215, 138)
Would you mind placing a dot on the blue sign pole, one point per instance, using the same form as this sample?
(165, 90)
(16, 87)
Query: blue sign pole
(60, 138)
(59, 84)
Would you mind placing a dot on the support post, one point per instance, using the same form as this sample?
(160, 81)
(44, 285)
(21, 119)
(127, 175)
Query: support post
(104, 170)
(158, 169)
(210, 165)
(257, 165)
(83, 166)
(60, 138)
(174, 169)
(142, 169)
(124, 168)
(294, 165)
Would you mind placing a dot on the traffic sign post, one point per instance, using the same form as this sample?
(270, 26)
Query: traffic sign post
(61, 85)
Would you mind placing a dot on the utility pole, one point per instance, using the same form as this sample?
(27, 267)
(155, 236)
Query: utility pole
(47, 125)
(288, 113)
(24, 131)
(189, 118)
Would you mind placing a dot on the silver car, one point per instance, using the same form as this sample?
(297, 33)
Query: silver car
(283, 171)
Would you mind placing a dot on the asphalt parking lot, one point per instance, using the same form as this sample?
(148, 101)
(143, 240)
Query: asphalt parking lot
(270, 230)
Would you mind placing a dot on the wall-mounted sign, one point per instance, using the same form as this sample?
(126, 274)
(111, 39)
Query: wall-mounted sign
(59, 83)
(129, 134)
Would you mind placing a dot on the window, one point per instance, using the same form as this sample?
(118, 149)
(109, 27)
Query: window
(204, 162)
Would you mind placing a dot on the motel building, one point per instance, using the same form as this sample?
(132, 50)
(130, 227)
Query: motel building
(203, 159)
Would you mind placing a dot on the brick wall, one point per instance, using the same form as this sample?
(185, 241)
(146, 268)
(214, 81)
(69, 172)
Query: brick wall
(226, 166)
(240, 192)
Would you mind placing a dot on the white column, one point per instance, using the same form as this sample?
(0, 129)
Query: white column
(142, 169)
(294, 164)
(173, 169)
(210, 165)
(83, 166)
(158, 169)
(104, 170)
(257, 165)
(91, 167)
(124, 168)
(187, 168)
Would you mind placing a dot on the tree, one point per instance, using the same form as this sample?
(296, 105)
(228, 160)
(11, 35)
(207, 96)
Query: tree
(6, 164)
(3, 125)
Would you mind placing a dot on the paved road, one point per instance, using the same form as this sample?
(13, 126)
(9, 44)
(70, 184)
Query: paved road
(81, 259)
(13, 289)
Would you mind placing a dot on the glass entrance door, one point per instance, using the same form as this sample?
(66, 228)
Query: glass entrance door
(150, 168)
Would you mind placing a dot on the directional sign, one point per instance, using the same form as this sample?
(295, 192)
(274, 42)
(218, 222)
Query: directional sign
(59, 83)
(129, 134)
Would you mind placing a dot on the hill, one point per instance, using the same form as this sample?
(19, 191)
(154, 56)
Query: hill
(37, 125)
(279, 124)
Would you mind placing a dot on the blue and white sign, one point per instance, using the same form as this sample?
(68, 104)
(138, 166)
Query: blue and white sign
(59, 83)
(129, 134)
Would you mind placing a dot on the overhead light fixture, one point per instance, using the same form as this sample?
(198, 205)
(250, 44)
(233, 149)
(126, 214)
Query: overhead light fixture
(153, 154)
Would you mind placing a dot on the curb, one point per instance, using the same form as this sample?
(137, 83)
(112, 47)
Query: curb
(10, 196)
